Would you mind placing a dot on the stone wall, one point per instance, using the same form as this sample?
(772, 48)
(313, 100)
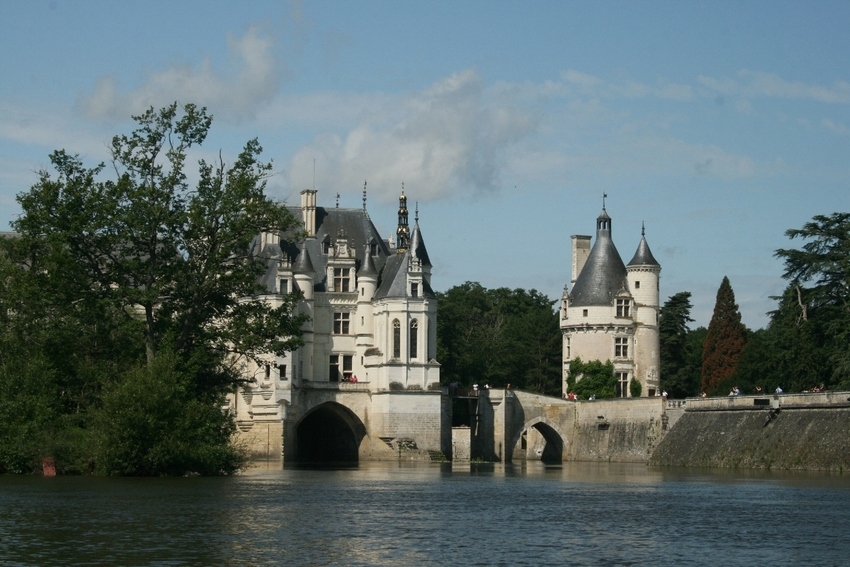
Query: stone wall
(619, 430)
(795, 431)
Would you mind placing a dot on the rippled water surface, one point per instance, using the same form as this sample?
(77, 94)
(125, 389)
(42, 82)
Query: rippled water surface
(391, 514)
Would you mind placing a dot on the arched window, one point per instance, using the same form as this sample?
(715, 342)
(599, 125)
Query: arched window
(396, 339)
(414, 336)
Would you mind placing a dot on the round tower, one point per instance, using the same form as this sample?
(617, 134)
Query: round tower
(643, 276)
(367, 285)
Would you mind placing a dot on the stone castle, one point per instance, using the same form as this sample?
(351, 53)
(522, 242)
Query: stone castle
(365, 385)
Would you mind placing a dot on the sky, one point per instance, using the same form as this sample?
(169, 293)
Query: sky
(715, 125)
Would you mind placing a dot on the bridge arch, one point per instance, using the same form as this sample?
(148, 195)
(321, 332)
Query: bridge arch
(553, 449)
(329, 433)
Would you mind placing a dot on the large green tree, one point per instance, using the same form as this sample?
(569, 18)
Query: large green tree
(819, 294)
(724, 342)
(678, 377)
(114, 267)
(175, 255)
(499, 337)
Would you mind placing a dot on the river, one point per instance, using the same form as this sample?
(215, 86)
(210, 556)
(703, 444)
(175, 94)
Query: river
(406, 514)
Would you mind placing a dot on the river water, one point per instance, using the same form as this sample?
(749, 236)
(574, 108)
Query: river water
(403, 514)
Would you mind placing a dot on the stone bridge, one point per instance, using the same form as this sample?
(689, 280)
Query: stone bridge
(349, 422)
(513, 425)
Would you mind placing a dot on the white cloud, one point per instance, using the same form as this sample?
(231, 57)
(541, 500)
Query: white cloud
(754, 84)
(445, 139)
(836, 128)
(254, 83)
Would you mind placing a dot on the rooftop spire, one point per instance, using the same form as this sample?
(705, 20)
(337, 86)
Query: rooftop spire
(403, 231)
(364, 195)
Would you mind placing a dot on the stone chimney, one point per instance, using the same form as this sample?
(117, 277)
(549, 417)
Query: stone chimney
(581, 250)
(308, 211)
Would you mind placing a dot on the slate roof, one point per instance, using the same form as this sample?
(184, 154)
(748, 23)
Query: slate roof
(308, 255)
(394, 279)
(604, 273)
(643, 255)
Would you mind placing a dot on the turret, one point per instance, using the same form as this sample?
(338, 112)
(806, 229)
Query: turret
(643, 276)
(367, 284)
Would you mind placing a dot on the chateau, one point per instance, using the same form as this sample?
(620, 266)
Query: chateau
(612, 311)
(367, 367)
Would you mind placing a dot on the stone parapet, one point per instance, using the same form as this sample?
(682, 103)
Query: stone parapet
(785, 401)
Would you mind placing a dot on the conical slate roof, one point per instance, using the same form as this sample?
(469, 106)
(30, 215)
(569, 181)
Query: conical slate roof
(303, 265)
(643, 255)
(417, 244)
(368, 269)
(604, 273)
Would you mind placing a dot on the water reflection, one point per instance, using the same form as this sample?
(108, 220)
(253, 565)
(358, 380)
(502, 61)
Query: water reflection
(402, 513)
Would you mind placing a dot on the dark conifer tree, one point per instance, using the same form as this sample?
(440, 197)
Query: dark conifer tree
(724, 342)
(676, 376)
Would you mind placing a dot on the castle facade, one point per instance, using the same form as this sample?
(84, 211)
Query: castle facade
(611, 310)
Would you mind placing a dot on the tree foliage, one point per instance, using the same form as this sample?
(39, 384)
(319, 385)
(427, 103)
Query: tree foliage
(817, 302)
(113, 267)
(499, 337)
(724, 342)
(593, 378)
(679, 377)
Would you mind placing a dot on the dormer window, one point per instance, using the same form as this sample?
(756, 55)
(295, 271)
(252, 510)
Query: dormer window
(341, 279)
(284, 286)
(414, 290)
(624, 308)
(373, 248)
(326, 245)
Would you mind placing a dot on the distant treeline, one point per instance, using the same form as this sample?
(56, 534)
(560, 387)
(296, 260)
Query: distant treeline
(804, 347)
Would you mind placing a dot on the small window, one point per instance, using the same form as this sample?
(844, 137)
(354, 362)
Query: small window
(414, 338)
(268, 371)
(282, 370)
(567, 348)
(396, 339)
(347, 371)
(414, 290)
(584, 312)
(621, 347)
(333, 368)
(373, 248)
(341, 323)
(637, 285)
(326, 246)
(622, 384)
(284, 287)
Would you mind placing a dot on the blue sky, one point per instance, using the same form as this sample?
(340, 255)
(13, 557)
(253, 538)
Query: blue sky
(718, 124)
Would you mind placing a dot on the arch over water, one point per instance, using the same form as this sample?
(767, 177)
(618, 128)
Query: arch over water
(553, 450)
(329, 433)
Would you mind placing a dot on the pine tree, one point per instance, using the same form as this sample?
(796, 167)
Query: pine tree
(724, 342)
(676, 374)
